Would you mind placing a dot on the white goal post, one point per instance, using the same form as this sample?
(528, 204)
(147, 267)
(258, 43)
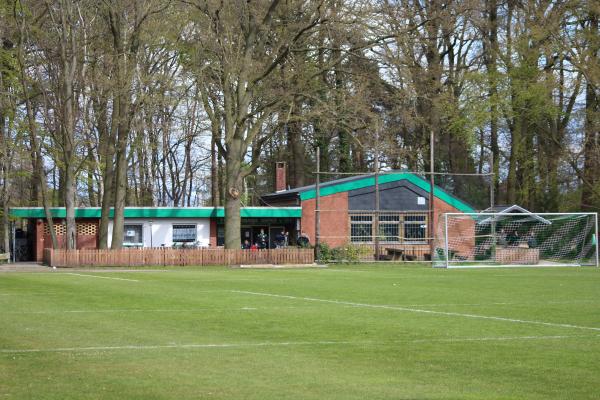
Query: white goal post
(516, 239)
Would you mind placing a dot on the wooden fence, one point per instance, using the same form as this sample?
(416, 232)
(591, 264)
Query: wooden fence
(176, 257)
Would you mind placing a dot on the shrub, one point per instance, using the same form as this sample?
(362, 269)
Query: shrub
(347, 253)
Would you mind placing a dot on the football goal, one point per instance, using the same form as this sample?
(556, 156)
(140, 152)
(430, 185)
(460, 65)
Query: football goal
(516, 239)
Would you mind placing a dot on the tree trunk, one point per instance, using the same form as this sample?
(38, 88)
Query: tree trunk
(591, 149)
(214, 174)
(71, 225)
(4, 179)
(233, 165)
(120, 176)
(490, 58)
(35, 145)
(107, 139)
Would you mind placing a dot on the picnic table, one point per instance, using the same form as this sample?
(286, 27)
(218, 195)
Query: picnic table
(395, 254)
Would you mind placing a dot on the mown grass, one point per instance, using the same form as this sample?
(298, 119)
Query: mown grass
(344, 332)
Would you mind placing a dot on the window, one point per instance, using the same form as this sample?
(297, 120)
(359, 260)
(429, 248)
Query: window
(184, 233)
(393, 227)
(389, 227)
(361, 228)
(220, 235)
(415, 227)
(133, 235)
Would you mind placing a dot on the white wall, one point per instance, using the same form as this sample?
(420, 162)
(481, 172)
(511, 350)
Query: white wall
(162, 230)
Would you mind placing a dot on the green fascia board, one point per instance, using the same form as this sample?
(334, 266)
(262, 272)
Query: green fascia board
(268, 212)
(162, 212)
(385, 178)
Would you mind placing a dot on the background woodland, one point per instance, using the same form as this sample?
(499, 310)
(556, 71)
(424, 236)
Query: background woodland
(118, 103)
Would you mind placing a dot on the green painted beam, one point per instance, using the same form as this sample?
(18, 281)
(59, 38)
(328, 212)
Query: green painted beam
(385, 178)
(162, 212)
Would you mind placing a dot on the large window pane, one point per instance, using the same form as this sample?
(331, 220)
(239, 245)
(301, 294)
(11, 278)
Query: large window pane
(361, 228)
(133, 235)
(361, 233)
(389, 232)
(415, 227)
(389, 227)
(184, 233)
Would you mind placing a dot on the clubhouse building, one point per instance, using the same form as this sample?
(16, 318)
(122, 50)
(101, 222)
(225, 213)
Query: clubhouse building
(347, 215)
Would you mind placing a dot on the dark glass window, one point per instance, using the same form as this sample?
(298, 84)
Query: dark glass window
(184, 233)
(415, 227)
(133, 235)
(389, 227)
(361, 228)
(220, 235)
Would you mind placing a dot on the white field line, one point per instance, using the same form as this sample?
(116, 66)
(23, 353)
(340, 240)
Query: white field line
(283, 344)
(528, 303)
(502, 338)
(162, 310)
(29, 294)
(256, 308)
(173, 346)
(101, 277)
(421, 311)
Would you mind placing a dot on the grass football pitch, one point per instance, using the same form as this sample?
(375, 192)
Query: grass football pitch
(343, 332)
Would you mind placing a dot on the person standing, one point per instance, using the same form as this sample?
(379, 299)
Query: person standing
(280, 240)
(262, 239)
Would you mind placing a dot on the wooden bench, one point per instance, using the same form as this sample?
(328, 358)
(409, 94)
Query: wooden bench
(517, 255)
(4, 257)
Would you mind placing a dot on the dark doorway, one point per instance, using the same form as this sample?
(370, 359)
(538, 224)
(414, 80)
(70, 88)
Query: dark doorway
(273, 232)
(247, 235)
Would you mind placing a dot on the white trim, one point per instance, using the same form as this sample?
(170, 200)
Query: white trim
(508, 211)
(597, 242)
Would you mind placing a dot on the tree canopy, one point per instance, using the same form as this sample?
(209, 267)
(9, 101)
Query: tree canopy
(120, 103)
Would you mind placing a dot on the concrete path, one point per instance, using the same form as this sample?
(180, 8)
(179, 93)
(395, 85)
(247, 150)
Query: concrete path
(23, 267)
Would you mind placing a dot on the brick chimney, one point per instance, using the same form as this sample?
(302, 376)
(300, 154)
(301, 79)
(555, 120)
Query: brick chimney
(280, 176)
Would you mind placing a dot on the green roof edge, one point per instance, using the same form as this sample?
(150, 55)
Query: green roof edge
(385, 178)
(162, 212)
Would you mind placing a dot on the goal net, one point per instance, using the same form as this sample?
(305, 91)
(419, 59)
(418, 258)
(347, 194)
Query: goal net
(526, 239)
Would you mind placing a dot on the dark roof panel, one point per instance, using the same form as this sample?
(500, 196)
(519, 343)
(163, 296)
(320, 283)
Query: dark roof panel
(361, 181)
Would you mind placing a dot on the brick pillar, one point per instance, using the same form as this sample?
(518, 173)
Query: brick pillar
(280, 176)
(213, 233)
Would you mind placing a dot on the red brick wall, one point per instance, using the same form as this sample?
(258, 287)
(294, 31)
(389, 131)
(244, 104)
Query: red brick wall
(213, 233)
(335, 230)
(463, 228)
(87, 237)
(280, 176)
(335, 226)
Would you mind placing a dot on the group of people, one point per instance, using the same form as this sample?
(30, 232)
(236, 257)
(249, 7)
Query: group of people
(281, 241)
(512, 238)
